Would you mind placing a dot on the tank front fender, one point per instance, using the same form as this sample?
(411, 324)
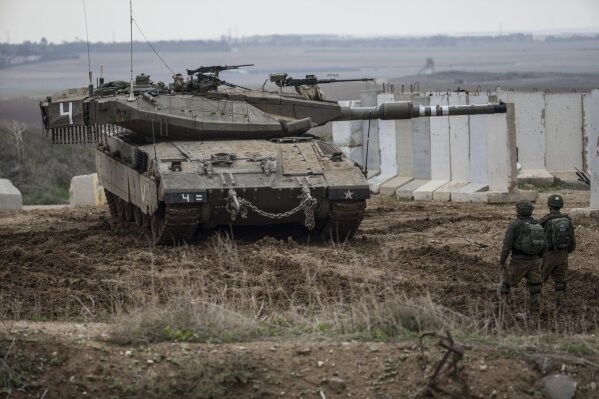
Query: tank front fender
(349, 193)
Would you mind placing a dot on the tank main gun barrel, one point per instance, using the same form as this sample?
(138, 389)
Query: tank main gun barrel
(407, 110)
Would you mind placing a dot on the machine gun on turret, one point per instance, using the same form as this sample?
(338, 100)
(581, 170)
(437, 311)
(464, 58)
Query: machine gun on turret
(206, 78)
(283, 80)
(215, 69)
(308, 86)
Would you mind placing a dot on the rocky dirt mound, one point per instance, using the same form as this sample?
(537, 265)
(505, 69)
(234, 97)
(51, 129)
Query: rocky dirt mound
(72, 360)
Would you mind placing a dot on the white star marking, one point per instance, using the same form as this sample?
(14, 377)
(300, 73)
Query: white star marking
(349, 195)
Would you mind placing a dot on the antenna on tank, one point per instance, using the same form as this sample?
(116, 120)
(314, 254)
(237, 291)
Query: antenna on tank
(131, 97)
(90, 87)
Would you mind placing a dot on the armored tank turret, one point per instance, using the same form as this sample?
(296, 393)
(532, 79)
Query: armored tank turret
(203, 152)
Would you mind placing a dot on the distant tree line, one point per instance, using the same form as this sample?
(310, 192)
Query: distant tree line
(27, 52)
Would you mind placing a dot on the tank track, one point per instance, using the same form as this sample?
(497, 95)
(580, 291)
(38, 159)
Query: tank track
(169, 224)
(344, 219)
(111, 202)
(174, 224)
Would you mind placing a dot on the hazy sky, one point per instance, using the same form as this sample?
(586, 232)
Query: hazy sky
(59, 20)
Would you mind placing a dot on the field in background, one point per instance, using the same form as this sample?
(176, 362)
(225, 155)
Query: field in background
(380, 61)
(40, 170)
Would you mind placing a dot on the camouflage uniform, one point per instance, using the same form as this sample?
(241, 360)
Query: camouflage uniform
(522, 265)
(555, 261)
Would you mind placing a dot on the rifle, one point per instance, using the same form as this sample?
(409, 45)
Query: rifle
(583, 177)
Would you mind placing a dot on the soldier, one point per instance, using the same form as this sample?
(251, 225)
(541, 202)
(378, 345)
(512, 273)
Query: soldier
(179, 83)
(561, 241)
(525, 239)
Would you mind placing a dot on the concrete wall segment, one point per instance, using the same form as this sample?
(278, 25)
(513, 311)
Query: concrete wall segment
(348, 133)
(530, 127)
(388, 142)
(459, 141)
(592, 117)
(478, 143)
(370, 140)
(440, 147)
(421, 142)
(564, 130)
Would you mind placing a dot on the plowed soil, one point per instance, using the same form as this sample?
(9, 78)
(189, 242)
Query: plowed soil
(76, 262)
(73, 264)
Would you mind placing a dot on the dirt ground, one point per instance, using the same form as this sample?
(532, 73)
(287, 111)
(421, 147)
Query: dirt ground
(60, 360)
(63, 263)
(74, 264)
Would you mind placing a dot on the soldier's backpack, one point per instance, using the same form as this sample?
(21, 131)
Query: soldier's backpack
(531, 239)
(558, 232)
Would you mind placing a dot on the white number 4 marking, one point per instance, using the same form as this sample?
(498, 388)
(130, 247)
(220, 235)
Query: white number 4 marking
(69, 112)
(185, 197)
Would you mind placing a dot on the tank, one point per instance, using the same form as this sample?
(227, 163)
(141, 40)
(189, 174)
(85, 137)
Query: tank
(202, 152)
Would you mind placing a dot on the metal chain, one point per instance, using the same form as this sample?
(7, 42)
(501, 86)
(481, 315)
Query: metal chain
(307, 205)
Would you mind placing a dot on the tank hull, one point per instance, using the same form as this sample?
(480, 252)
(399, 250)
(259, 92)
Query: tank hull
(177, 187)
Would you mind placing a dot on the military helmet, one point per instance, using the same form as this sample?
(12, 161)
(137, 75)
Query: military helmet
(555, 201)
(524, 208)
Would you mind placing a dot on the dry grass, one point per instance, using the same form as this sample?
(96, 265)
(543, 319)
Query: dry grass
(40, 170)
(244, 309)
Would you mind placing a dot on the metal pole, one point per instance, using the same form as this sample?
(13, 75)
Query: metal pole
(131, 97)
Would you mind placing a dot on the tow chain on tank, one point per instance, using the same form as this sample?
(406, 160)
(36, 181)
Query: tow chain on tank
(239, 206)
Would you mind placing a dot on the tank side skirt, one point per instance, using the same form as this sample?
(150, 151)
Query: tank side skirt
(112, 175)
(126, 183)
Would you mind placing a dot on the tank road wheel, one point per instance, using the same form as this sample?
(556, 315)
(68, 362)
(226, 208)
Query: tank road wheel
(138, 216)
(157, 225)
(147, 220)
(128, 207)
(111, 202)
(173, 224)
(120, 208)
(344, 219)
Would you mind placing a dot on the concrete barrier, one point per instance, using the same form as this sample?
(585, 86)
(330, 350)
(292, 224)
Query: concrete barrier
(10, 196)
(421, 147)
(348, 133)
(552, 137)
(355, 154)
(388, 146)
(395, 141)
(440, 153)
(588, 108)
(479, 166)
(501, 158)
(530, 136)
(368, 98)
(592, 128)
(563, 126)
(86, 191)
(421, 141)
(459, 151)
(408, 154)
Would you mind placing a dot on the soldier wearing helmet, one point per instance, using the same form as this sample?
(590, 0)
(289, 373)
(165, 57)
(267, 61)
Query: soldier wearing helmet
(561, 241)
(525, 239)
